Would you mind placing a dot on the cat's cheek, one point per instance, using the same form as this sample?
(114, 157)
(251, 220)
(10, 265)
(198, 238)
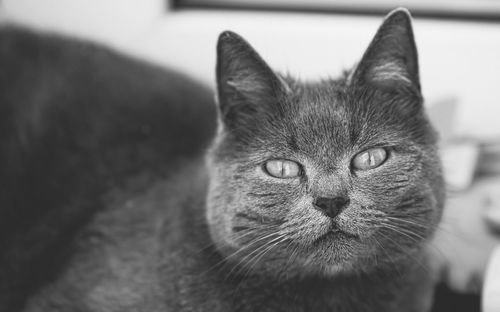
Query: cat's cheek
(305, 223)
(361, 217)
(219, 213)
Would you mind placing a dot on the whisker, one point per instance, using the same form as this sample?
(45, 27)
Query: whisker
(263, 250)
(249, 231)
(403, 231)
(241, 249)
(410, 222)
(388, 255)
(292, 254)
(429, 242)
(440, 227)
(247, 258)
(254, 243)
(410, 256)
(257, 258)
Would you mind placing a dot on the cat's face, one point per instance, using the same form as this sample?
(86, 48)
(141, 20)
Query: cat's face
(326, 177)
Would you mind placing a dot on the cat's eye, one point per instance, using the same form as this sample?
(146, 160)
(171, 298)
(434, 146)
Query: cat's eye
(282, 168)
(369, 159)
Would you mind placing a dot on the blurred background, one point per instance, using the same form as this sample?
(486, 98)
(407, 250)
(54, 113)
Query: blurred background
(458, 43)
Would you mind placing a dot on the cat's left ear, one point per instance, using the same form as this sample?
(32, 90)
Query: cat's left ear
(247, 87)
(391, 58)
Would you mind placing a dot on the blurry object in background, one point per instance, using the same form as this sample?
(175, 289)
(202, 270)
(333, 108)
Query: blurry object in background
(467, 151)
(489, 160)
(442, 113)
(471, 9)
(491, 291)
(447, 300)
(459, 158)
(492, 215)
(470, 153)
(463, 244)
(459, 164)
(478, 122)
(464, 237)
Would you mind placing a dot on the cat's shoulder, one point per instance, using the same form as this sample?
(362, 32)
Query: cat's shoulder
(123, 258)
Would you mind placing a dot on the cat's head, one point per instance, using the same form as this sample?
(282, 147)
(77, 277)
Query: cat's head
(323, 177)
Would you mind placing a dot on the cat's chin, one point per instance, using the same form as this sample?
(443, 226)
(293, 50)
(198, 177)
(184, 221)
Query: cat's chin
(333, 252)
(338, 251)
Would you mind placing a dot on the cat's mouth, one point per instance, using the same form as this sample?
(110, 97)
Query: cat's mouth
(336, 233)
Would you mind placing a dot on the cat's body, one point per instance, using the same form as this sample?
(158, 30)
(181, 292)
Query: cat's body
(79, 121)
(313, 197)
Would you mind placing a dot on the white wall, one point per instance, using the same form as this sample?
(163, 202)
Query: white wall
(458, 59)
(115, 22)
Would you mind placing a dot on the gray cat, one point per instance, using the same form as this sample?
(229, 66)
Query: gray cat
(313, 197)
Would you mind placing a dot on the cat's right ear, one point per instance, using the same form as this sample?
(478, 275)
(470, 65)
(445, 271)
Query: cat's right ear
(391, 59)
(247, 88)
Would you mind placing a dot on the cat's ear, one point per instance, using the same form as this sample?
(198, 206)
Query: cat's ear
(391, 58)
(246, 86)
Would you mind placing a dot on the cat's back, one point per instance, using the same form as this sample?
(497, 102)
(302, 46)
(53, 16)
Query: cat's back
(47, 78)
(79, 121)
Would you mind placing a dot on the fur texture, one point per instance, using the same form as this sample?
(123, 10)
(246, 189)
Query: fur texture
(162, 229)
(76, 121)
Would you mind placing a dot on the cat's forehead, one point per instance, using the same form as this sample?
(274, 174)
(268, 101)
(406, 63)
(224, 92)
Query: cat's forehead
(318, 121)
(321, 100)
(331, 119)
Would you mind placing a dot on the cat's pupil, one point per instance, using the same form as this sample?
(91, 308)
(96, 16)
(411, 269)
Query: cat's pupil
(369, 159)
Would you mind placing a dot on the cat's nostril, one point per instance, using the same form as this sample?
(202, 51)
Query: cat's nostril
(331, 207)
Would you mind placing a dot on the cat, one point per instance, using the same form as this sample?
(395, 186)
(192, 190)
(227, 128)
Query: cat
(323, 195)
(310, 196)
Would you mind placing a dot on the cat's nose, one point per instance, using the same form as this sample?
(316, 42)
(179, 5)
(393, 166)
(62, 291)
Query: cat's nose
(331, 207)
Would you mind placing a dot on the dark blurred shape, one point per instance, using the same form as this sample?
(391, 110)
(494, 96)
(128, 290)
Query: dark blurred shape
(447, 300)
(78, 120)
(489, 159)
